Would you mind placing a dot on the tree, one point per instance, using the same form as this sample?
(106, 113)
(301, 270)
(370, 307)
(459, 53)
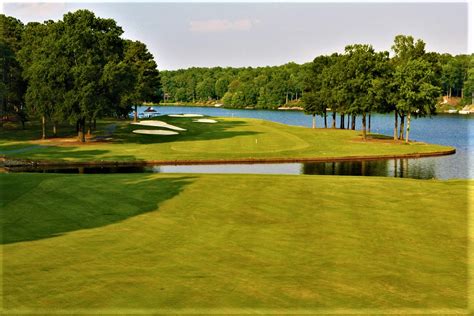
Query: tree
(469, 83)
(12, 85)
(46, 72)
(364, 68)
(406, 49)
(314, 102)
(146, 78)
(205, 90)
(221, 87)
(416, 95)
(90, 44)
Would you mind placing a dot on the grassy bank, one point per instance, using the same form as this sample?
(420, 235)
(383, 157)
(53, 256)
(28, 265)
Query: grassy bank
(233, 243)
(229, 139)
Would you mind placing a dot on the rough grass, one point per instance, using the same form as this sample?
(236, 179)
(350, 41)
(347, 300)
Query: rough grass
(229, 139)
(233, 244)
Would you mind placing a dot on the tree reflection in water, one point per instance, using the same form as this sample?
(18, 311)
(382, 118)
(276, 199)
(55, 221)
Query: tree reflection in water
(401, 168)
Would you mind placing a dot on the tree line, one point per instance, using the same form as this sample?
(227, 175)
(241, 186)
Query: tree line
(261, 87)
(361, 81)
(354, 84)
(275, 86)
(73, 70)
(78, 69)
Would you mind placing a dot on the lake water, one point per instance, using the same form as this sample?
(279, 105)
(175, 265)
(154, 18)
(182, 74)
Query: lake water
(453, 130)
(444, 129)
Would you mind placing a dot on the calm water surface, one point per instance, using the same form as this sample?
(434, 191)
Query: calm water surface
(444, 129)
(452, 130)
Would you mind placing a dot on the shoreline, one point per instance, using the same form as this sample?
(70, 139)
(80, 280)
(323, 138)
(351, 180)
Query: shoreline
(6, 162)
(281, 108)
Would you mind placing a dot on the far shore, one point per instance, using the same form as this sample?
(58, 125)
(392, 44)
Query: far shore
(281, 108)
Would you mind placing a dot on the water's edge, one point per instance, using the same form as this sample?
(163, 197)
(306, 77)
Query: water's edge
(6, 162)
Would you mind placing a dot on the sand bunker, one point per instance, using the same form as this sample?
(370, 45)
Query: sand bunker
(159, 124)
(205, 121)
(154, 132)
(185, 115)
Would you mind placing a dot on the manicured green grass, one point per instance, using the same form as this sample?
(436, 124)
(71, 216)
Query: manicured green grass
(229, 139)
(233, 244)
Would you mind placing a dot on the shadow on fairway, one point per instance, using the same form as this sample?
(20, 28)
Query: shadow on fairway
(33, 151)
(41, 206)
(194, 131)
(32, 131)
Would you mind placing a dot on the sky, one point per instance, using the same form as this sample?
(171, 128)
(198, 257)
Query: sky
(183, 35)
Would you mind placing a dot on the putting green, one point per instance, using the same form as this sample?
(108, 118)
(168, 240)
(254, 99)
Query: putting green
(233, 244)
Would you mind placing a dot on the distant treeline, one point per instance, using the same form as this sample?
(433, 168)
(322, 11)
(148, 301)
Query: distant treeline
(356, 83)
(261, 87)
(275, 86)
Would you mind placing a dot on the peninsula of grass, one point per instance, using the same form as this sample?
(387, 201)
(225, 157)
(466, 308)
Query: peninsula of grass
(134, 243)
(231, 139)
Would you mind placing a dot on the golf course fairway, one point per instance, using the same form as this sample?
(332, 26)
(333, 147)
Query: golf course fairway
(230, 139)
(198, 243)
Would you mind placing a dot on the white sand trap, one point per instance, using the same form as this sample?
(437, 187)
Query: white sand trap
(154, 132)
(185, 115)
(159, 124)
(205, 121)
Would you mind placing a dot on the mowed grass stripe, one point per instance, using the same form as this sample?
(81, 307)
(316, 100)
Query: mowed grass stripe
(234, 242)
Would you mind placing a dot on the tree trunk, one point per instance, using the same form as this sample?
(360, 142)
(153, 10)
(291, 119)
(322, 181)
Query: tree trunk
(342, 121)
(408, 127)
(286, 97)
(326, 118)
(370, 121)
(395, 128)
(449, 95)
(314, 121)
(353, 124)
(348, 121)
(135, 114)
(333, 119)
(89, 128)
(402, 126)
(43, 127)
(82, 128)
(364, 127)
(55, 129)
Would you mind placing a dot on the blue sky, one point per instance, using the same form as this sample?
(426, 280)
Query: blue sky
(182, 35)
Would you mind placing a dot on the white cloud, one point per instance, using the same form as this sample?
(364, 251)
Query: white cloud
(35, 11)
(206, 26)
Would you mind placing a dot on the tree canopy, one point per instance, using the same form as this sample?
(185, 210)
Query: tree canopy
(76, 69)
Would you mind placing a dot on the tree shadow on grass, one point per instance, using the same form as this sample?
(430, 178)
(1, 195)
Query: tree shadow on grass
(32, 131)
(44, 206)
(58, 153)
(194, 131)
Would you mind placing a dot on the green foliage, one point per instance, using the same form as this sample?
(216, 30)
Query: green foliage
(414, 78)
(264, 87)
(79, 68)
(12, 84)
(315, 98)
(143, 81)
(469, 83)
